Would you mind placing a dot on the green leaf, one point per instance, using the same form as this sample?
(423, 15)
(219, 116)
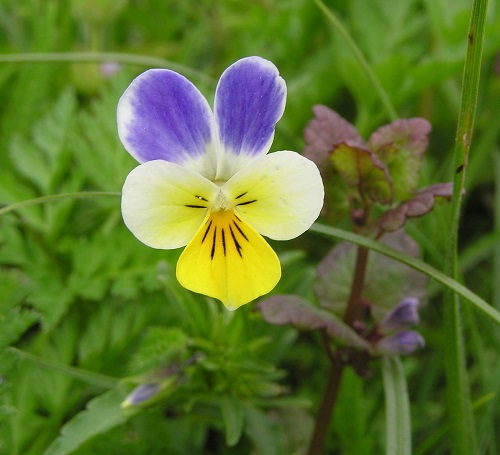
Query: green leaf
(102, 414)
(97, 147)
(397, 407)
(351, 420)
(233, 415)
(363, 172)
(401, 146)
(14, 319)
(261, 431)
(43, 157)
(160, 346)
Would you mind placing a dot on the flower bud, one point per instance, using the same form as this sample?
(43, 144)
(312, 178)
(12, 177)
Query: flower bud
(404, 342)
(141, 394)
(402, 316)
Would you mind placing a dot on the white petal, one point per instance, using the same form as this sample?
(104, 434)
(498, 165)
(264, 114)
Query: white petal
(164, 204)
(280, 195)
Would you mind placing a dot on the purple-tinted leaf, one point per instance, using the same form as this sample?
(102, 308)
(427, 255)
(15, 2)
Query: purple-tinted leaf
(323, 132)
(420, 204)
(401, 146)
(298, 312)
(363, 171)
(387, 282)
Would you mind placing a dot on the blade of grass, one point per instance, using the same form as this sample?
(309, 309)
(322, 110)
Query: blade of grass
(463, 434)
(397, 407)
(118, 57)
(89, 377)
(370, 74)
(412, 262)
(496, 255)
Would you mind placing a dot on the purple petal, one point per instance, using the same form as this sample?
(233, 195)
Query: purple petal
(249, 101)
(163, 116)
(402, 316)
(142, 393)
(400, 343)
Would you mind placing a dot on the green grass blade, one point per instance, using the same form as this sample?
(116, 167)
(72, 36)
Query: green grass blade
(118, 57)
(370, 74)
(89, 377)
(463, 434)
(410, 261)
(397, 407)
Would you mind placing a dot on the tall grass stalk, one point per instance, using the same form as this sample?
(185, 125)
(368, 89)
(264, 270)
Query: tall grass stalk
(463, 434)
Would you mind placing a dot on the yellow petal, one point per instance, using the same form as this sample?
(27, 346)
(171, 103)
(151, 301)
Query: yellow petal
(228, 260)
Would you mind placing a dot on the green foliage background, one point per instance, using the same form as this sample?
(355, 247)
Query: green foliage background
(84, 305)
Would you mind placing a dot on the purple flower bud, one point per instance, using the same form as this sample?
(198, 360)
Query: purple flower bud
(404, 342)
(402, 316)
(109, 69)
(140, 394)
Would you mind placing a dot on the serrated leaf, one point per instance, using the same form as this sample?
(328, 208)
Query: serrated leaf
(298, 312)
(102, 413)
(43, 157)
(233, 416)
(420, 204)
(97, 148)
(50, 296)
(401, 145)
(363, 172)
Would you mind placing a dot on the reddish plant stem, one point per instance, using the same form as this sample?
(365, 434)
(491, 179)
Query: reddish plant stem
(354, 312)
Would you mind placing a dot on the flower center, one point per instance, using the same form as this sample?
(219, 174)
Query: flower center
(221, 202)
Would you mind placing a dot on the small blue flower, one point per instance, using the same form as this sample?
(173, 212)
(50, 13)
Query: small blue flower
(141, 394)
(404, 342)
(402, 316)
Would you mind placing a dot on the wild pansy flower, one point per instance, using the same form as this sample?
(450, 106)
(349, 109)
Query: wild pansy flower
(206, 180)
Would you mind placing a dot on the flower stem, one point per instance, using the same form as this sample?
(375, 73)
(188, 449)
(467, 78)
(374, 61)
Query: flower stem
(354, 312)
(325, 412)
